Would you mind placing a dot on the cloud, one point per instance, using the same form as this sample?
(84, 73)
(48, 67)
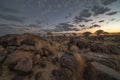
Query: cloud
(85, 13)
(107, 2)
(10, 10)
(97, 10)
(81, 25)
(83, 16)
(12, 18)
(112, 13)
(101, 21)
(112, 19)
(79, 19)
(93, 26)
(11, 29)
(64, 27)
(34, 25)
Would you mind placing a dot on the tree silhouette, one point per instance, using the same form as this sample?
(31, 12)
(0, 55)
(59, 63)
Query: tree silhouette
(87, 34)
(99, 32)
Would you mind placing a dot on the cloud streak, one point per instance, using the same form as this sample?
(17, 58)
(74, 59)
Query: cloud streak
(12, 18)
(97, 10)
(9, 10)
(112, 13)
(108, 2)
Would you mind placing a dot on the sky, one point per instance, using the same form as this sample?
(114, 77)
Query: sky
(39, 16)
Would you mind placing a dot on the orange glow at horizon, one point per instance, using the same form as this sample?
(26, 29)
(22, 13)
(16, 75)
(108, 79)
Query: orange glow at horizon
(112, 27)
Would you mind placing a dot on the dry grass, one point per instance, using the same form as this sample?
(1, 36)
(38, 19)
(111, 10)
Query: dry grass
(74, 48)
(81, 61)
(117, 58)
(1, 48)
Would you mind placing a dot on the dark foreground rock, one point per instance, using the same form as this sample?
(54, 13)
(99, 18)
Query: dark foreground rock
(72, 66)
(98, 71)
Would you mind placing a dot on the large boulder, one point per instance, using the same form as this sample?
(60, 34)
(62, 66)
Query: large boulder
(72, 66)
(24, 64)
(101, 58)
(3, 55)
(97, 71)
(16, 56)
(20, 60)
(26, 48)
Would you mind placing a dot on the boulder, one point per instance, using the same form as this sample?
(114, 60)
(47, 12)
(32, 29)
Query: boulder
(17, 77)
(72, 66)
(20, 61)
(58, 74)
(38, 76)
(101, 58)
(99, 71)
(3, 55)
(24, 65)
(26, 48)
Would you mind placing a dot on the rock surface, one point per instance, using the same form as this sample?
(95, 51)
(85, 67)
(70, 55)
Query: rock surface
(102, 72)
(30, 57)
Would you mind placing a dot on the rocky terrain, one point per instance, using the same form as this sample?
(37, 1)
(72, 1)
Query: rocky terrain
(31, 57)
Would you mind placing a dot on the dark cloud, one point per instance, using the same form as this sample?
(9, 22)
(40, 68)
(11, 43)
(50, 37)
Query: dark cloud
(12, 18)
(13, 25)
(64, 27)
(81, 25)
(10, 10)
(11, 29)
(87, 20)
(39, 22)
(101, 21)
(107, 2)
(78, 19)
(112, 13)
(97, 10)
(85, 13)
(34, 25)
(95, 25)
(83, 16)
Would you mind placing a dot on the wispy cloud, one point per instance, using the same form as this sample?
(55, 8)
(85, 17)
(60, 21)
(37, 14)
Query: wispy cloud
(112, 13)
(97, 10)
(9, 10)
(107, 2)
(12, 18)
